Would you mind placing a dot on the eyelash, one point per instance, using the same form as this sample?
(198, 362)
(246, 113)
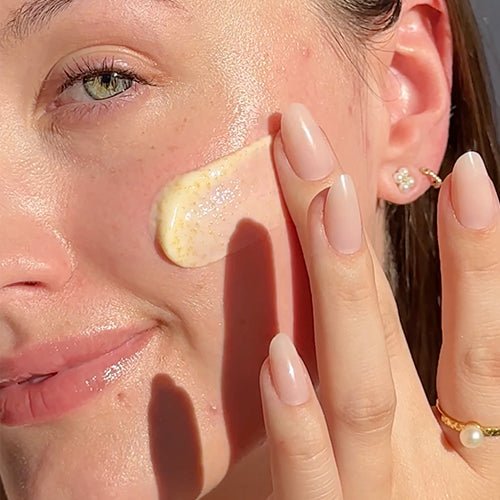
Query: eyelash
(88, 112)
(90, 69)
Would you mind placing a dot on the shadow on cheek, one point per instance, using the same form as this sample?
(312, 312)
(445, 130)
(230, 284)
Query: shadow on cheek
(174, 441)
(250, 324)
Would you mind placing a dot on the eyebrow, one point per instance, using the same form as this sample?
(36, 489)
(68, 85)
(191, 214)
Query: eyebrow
(34, 15)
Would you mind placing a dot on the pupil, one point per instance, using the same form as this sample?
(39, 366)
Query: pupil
(107, 78)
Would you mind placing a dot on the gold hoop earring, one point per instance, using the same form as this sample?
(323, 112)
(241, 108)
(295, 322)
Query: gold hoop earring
(434, 178)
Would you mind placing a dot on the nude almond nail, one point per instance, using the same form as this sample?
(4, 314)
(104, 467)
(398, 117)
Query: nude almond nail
(305, 144)
(473, 198)
(287, 371)
(342, 217)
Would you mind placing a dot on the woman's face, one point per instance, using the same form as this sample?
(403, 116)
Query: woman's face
(167, 413)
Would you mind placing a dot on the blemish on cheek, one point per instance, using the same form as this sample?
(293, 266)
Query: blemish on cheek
(122, 399)
(199, 211)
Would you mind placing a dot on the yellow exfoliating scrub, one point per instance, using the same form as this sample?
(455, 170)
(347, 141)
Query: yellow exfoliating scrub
(198, 212)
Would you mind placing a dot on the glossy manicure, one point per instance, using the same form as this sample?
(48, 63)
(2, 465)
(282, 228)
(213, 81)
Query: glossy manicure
(473, 198)
(305, 144)
(287, 372)
(342, 217)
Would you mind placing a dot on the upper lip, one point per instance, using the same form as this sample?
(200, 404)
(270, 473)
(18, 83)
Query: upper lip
(50, 358)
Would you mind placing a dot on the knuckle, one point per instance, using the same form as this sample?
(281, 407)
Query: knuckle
(306, 447)
(309, 458)
(478, 262)
(355, 292)
(482, 268)
(371, 413)
(354, 280)
(481, 362)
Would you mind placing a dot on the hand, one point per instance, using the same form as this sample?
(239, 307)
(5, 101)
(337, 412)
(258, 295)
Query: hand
(370, 434)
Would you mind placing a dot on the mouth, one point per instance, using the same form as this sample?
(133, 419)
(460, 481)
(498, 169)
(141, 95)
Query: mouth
(50, 380)
(33, 379)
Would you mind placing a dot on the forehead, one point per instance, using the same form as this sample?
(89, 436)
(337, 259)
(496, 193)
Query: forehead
(23, 17)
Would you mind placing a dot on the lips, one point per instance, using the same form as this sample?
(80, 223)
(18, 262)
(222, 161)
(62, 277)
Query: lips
(48, 381)
(31, 379)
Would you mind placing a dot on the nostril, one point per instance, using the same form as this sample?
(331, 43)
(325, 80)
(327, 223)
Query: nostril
(29, 284)
(34, 258)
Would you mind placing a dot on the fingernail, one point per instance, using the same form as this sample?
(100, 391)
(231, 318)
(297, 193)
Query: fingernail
(305, 144)
(342, 217)
(472, 194)
(287, 371)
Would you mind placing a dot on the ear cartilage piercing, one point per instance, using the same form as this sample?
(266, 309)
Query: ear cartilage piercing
(404, 180)
(434, 178)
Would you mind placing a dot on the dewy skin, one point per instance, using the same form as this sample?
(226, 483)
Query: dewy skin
(199, 212)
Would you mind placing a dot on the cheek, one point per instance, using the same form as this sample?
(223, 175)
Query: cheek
(200, 212)
(109, 219)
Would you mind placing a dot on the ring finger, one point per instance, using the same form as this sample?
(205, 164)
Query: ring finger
(469, 369)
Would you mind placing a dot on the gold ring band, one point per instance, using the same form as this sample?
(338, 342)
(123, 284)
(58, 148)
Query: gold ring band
(472, 434)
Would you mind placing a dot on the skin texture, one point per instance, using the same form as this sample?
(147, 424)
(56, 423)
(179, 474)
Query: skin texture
(78, 184)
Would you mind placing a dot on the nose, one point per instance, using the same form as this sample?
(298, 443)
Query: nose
(31, 255)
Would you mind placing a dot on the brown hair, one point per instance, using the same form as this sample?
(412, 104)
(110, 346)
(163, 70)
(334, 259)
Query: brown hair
(411, 229)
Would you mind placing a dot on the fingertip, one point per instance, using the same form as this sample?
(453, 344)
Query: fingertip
(473, 196)
(265, 373)
(283, 166)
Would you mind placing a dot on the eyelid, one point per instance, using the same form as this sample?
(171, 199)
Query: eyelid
(122, 58)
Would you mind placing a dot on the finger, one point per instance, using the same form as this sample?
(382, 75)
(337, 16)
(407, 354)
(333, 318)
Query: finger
(469, 368)
(299, 194)
(302, 459)
(357, 391)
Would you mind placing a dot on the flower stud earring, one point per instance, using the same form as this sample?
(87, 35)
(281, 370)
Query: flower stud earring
(404, 180)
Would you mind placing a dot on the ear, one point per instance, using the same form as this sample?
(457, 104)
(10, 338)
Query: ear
(417, 96)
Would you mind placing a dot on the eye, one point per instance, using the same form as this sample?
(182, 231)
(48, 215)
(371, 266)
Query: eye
(90, 81)
(85, 90)
(106, 85)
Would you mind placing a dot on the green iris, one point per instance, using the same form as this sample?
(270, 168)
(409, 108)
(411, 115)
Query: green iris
(106, 85)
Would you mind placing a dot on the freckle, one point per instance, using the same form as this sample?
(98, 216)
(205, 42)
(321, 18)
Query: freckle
(121, 397)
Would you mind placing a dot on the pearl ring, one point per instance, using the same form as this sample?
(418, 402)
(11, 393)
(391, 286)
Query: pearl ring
(472, 434)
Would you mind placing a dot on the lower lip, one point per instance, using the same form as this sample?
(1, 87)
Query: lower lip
(68, 390)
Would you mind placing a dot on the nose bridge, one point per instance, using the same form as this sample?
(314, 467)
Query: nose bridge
(33, 250)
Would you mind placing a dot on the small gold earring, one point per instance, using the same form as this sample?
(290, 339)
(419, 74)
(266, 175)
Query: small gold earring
(434, 178)
(404, 180)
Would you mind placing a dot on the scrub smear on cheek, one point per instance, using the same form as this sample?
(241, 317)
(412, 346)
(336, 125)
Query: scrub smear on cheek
(199, 212)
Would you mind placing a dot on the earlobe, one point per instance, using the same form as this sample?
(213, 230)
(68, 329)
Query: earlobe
(417, 96)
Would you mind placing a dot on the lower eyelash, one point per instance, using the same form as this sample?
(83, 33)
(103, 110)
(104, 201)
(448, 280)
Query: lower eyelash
(94, 110)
